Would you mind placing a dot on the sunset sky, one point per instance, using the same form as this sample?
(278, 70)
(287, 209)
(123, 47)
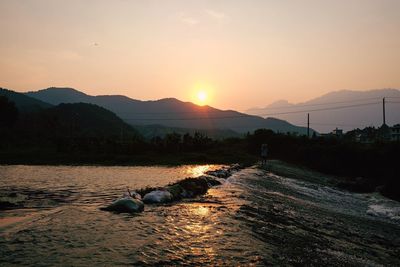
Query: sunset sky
(242, 54)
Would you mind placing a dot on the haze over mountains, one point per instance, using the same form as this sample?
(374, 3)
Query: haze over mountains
(168, 112)
(344, 109)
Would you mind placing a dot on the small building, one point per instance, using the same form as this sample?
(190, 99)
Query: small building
(395, 133)
(364, 138)
(367, 135)
(337, 132)
(384, 133)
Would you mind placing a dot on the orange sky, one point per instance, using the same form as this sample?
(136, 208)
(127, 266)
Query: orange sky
(243, 53)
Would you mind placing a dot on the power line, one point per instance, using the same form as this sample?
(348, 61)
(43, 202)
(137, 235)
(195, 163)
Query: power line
(206, 112)
(335, 124)
(321, 109)
(329, 124)
(321, 104)
(281, 107)
(246, 115)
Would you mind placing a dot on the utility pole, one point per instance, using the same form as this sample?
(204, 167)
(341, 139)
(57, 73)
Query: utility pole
(308, 125)
(384, 112)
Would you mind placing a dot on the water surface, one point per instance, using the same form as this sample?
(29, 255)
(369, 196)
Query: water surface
(256, 218)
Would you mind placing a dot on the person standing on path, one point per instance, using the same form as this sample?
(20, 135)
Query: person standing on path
(264, 154)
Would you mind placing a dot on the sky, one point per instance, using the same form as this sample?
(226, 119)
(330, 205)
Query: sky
(241, 53)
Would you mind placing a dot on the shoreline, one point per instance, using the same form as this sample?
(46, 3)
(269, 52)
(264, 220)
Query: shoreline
(280, 167)
(300, 172)
(145, 159)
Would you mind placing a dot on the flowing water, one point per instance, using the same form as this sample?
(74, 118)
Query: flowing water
(255, 218)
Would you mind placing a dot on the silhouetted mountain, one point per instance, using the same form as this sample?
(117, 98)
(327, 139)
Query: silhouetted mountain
(168, 112)
(80, 120)
(22, 102)
(69, 133)
(8, 113)
(343, 109)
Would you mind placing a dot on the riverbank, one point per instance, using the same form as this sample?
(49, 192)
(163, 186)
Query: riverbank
(304, 223)
(217, 156)
(357, 185)
(138, 159)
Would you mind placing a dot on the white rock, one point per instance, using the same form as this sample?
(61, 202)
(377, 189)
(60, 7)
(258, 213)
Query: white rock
(158, 196)
(126, 204)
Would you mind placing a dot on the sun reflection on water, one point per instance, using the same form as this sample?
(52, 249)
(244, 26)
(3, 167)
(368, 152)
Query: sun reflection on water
(199, 170)
(201, 210)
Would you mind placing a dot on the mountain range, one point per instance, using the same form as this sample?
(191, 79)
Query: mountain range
(38, 120)
(345, 109)
(168, 112)
(24, 103)
(79, 119)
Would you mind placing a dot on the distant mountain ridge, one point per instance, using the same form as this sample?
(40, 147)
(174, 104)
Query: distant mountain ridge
(345, 109)
(39, 119)
(168, 112)
(24, 103)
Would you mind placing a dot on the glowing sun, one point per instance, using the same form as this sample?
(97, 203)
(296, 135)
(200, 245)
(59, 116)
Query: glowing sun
(201, 97)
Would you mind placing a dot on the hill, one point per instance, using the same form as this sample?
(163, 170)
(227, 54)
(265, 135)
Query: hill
(23, 102)
(69, 134)
(81, 119)
(169, 112)
(86, 120)
(344, 109)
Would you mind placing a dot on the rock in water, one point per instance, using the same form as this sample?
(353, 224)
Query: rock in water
(126, 204)
(222, 173)
(194, 186)
(158, 196)
(211, 180)
(176, 191)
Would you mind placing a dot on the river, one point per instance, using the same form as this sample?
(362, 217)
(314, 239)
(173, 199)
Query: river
(256, 218)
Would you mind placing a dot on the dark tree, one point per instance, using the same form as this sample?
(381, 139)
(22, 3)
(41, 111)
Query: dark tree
(172, 141)
(8, 112)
